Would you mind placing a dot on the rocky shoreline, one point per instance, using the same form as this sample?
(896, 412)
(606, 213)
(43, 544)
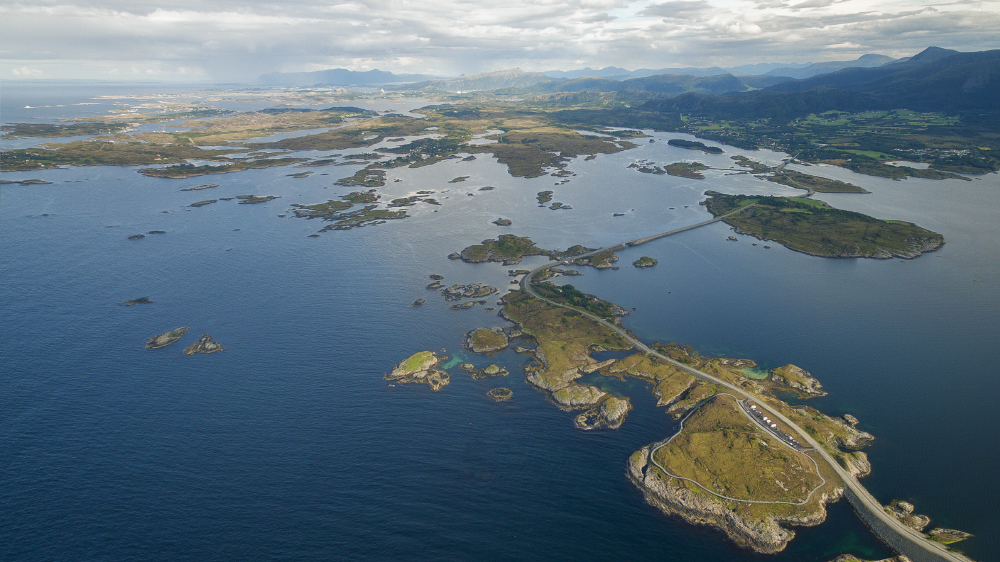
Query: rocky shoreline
(669, 495)
(203, 345)
(420, 368)
(913, 251)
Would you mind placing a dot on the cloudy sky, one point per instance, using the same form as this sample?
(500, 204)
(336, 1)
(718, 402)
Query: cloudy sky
(234, 40)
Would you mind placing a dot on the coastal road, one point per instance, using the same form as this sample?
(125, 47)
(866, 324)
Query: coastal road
(901, 538)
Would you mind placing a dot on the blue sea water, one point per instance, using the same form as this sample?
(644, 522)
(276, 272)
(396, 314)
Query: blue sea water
(289, 445)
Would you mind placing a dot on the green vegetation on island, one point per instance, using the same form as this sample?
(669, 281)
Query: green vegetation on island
(690, 170)
(166, 338)
(564, 340)
(571, 296)
(340, 215)
(719, 450)
(507, 248)
(791, 178)
(815, 228)
(104, 153)
(645, 261)
(603, 260)
(180, 171)
(719, 463)
(420, 368)
(205, 344)
(694, 145)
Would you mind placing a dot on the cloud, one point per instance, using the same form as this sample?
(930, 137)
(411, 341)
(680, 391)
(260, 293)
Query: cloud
(678, 9)
(27, 72)
(241, 39)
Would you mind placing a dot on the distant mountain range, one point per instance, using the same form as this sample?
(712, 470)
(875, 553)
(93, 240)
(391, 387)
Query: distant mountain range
(666, 84)
(517, 78)
(934, 80)
(337, 77)
(792, 70)
(485, 81)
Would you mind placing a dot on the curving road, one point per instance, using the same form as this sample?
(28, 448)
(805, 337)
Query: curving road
(903, 539)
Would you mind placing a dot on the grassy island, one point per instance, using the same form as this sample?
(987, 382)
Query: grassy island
(694, 145)
(420, 368)
(341, 216)
(719, 463)
(507, 248)
(690, 170)
(165, 339)
(815, 228)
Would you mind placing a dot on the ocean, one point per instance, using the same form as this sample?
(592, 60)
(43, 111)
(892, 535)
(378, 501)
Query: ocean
(289, 445)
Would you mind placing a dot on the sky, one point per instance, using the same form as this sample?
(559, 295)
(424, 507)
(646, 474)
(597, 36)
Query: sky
(236, 41)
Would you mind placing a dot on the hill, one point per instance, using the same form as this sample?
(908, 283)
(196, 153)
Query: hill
(934, 80)
(865, 61)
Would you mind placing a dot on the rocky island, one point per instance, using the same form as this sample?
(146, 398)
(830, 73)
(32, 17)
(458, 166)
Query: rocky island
(165, 339)
(254, 199)
(486, 340)
(507, 249)
(140, 300)
(420, 368)
(797, 380)
(488, 372)
(644, 262)
(692, 475)
(500, 394)
(691, 170)
(203, 345)
(694, 145)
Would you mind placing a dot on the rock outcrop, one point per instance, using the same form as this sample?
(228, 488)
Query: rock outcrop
(674, 498)
(856, 464)
(500, 394)
(489, 372)
(486, 340)
(420, 368)
(903, 511)
(610, 413)
(796, 379)
(203, 345)
(165, 339)
(948, 536)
